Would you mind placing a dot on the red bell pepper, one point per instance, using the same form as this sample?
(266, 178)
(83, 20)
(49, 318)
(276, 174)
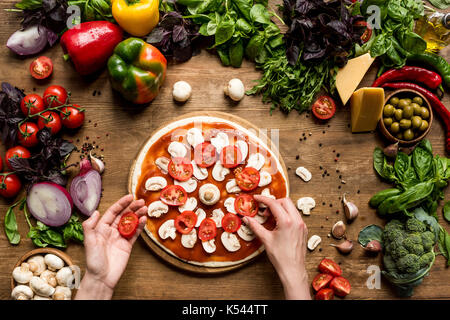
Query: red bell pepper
(90, 44)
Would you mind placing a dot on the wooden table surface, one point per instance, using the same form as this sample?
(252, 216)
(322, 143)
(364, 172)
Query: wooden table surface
(121, 129)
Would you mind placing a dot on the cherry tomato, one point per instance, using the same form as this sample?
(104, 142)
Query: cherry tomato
(1, 164)
(51, 120)
(72, 116)
(16, 152)
(41, 68)
(207, 230)
(230, 156)
(330, 267)
(205, 155)
(231, 222)
(246, 205)
(247, 179)
(185, 222)
(325, 294)
(173, 195)
(321, 281)
(367, 30)
(32, 104)
(28, 134)
(55, 96)
(324, 108)
(128, 225)
(180, 169)
(9, 186)
(340, 286)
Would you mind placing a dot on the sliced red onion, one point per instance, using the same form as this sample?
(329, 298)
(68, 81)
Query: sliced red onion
(50, 203)
(29, 41)
(86, 189)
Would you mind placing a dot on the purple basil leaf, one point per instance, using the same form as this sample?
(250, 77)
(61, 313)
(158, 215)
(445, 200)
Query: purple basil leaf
(49, 5)
(156, 35)
(66, 148)
(179, 33)
(51, 37)
(292, 54)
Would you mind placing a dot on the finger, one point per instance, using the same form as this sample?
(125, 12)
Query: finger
(262, 233)
(90, 224)
(265, 213)
(290, 208)
(275, 208)
(135, 206)
(142, 223)
(116, 209)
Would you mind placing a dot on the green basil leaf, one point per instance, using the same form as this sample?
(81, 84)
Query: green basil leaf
(402, 165)
(11, 228)
(224, 32)
(381, 44)
(29, 4)
(446, 211)
(259, 13)
(254, 46)
(244, 7)
(423, 162)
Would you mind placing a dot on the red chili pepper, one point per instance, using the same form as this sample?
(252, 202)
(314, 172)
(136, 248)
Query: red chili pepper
(429, 78)
(436, 104)
(90, 44)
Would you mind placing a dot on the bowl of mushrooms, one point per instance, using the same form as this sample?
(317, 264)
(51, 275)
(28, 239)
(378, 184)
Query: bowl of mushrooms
(43, 274)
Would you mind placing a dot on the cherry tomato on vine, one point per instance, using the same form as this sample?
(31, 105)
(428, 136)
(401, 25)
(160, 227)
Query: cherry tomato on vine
(27, 134)
(72, 116)
(1, 163)
(55, 96)
(41, 68)
(51, 120)
(16, 152)
(32, 104)
(10, 185)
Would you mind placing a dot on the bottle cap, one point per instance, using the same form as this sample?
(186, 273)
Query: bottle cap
(446, 20)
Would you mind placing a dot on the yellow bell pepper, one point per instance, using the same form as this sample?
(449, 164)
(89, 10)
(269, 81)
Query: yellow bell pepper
(137, 17)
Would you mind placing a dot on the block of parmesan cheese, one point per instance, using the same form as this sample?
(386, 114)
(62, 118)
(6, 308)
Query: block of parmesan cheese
(349, 77)
(366, 106)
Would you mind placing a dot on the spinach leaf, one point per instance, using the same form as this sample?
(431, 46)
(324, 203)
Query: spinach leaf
(259, 13)
(444, 244)
(410, 41)
(401, 165)
(369, 233)
(446, 211)
(380, 45)
(244, 7)
(422, 159)
(224, 31)
(381, 166)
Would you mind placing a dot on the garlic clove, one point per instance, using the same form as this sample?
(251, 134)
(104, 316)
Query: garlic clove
(313, 242)
(350, 209)
(338, 230)
(344, 247)
(391, 151)
(97, 164)
(373, 246)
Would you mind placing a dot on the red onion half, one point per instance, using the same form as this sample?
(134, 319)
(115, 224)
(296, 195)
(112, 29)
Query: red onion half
(50, 203)
(31, 40)
(86, 189)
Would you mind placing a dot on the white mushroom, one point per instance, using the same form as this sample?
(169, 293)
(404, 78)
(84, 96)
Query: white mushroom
(49, 277)
(53, 262)
(256, 160)
(181, 91)
(201, 215)
(217, 216)
(220, 141)
(37, 297)
(37, 264)
(177, 149)
(246, 233)
(157, 208)
(155, 183)
(189, 240)
(229, 204)
(232, 186)
(163, 164)
(219, 172)
(65, 277)
(62, 293)
(303, 173)
(40, 287)
(260, 217)
(199, 173)
(235, 90)
(305, 204)
(209, 194)
(230, 241)
(22, 274)
(265, 178)
(194, 137)
(189, 185)
(190, 205)
(266, 193)
(243, 147)
(22, 292)
(209, 246)
(168, 230)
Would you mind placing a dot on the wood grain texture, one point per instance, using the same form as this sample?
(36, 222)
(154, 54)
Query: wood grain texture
(121, 129)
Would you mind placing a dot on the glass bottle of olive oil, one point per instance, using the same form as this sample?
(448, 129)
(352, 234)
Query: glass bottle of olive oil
(434, 28)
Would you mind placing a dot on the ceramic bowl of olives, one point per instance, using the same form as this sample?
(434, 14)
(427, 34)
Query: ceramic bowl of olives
(406, 117)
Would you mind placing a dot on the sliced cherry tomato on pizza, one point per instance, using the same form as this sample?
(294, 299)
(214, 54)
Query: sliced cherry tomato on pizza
(246, 205)
(16, 152)
(330, 267)
(247, 179)
(180, 169)
(325, 294)
(173, 195)
(185, 222)
(324, 108)
(41, 68)
(207, 230)
(205, 155)
(231, 222)
(128, 225)
(230, 156)
(321, 281)
(367, 30)
(340, 286)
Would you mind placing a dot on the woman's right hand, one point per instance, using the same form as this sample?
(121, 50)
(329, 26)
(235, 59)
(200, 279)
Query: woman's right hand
(285, 245)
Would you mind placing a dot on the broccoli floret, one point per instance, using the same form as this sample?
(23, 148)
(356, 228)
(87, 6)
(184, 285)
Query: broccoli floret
(413, 244)
(426, 259)
(397, 250)
(394, 225)
(394, 235)
(427, 240)
(389, 263)
(408, 264)
(414, 225)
